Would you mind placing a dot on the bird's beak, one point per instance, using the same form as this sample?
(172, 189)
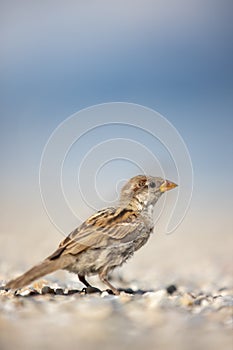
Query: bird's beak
(167, 185)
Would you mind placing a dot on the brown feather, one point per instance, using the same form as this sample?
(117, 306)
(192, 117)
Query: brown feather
(96, 231)
(45, 267)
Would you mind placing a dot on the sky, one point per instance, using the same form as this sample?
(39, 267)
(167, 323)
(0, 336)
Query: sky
(60, 57)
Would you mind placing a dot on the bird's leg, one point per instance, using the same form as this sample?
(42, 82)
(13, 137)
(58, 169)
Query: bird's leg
(104, 278)
(89, 289)
(83, 280)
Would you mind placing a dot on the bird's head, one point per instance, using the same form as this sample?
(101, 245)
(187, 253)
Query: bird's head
(142, 191)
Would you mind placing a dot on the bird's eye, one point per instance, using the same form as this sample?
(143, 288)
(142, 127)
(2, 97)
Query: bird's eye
(152, 184)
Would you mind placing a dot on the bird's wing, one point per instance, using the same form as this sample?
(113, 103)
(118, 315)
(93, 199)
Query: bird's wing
(105, 227)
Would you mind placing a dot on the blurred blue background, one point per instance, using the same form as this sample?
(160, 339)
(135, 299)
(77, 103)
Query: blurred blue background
(58, 57)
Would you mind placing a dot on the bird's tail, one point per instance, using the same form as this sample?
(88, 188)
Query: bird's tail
(45, 267)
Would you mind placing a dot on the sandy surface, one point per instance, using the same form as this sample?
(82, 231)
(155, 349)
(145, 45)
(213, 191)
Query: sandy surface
(197, 315)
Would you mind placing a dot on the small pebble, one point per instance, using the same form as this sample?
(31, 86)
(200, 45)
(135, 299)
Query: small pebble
(59, 291)
(47, 290)
(109, 291)
(171, 289)
(127, 290)
(73, 291)
(26, 292)
(3, 288)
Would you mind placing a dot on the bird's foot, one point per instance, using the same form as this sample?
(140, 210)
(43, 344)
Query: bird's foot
(91, 290)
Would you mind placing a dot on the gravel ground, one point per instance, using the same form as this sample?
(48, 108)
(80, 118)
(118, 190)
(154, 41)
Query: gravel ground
(48, 315)
(181, 302)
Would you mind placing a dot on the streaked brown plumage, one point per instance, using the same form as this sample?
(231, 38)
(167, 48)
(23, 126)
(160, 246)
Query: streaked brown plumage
(108, 238)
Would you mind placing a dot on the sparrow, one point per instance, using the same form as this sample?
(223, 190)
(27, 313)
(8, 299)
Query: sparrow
(108, 238)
